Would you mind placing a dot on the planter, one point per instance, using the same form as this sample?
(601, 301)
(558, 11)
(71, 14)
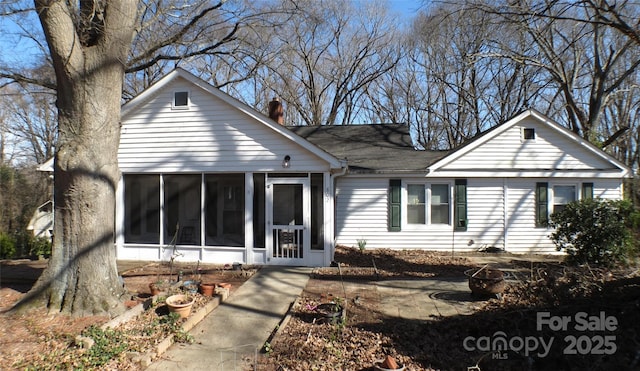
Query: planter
(207, 289)
(485, 281)
(156, 288)
(225, 285)
(180, 304)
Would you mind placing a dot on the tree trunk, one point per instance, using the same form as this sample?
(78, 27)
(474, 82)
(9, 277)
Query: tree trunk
(89, 47)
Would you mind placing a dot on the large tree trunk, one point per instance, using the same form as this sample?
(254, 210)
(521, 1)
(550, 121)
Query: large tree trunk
(89, 46)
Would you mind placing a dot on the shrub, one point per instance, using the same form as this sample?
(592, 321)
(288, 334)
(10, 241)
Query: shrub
(40, 246)
(7, 246)
(595, 231)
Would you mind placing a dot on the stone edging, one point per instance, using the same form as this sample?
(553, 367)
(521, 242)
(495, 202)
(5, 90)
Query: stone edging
(147, 358)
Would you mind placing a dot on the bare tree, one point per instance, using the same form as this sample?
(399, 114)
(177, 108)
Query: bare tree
(325, 55)
(90, 46)
(32, 120)
(585, 59)
(462, 89)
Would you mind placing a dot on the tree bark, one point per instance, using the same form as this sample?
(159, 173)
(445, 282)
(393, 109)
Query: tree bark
(89, 47)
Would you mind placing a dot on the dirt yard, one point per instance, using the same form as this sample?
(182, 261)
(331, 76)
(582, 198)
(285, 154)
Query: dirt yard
(585, 298)
(36, 339)
(600, 307)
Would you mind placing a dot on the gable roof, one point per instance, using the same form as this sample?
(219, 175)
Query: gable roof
(494, 132)
(129, 107)
(378, 148)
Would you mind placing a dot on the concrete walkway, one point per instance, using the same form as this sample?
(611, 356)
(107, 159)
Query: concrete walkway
(238, 328)
(235, 332)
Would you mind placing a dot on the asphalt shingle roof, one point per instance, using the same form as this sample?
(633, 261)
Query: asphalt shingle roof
(379, 148)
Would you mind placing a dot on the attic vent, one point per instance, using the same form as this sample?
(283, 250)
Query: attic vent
(528, 133)
(180, 100)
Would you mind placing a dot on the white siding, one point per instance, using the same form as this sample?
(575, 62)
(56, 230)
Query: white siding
(210, 136)
(361, 213)
(485, 211)
(549, 150)
(522, 235)
(497, 208)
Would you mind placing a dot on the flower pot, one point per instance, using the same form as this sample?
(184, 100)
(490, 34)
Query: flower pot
(225, 285)
(387, 364)
(155, 289)
(180, 304)
(207, 289)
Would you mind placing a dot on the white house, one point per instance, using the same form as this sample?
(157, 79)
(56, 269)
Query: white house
(41, 223)
(225, 183)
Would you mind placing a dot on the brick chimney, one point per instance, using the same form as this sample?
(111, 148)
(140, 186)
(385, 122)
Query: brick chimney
(276, 111)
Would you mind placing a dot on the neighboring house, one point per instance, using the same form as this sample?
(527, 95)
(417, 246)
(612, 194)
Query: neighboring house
(226, 183)
(41, 223)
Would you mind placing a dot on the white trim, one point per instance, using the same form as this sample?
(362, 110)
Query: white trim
(505, 211)
(248, 217)
(523, 130)
(181, 107)
(428, 225)
(503, 173)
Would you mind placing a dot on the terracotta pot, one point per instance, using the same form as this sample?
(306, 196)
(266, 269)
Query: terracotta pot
(180, 304)
(380, 366)
(207, 289)
(154, 289)
(225, 285)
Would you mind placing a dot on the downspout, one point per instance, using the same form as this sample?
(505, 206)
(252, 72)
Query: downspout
(343, 170)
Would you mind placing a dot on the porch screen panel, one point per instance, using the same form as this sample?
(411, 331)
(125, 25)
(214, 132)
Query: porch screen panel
(141, 208)
(182, 209)
(224, 209)
(259, 212)
(317, 212)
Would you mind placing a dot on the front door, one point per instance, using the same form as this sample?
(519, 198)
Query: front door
(289, 240)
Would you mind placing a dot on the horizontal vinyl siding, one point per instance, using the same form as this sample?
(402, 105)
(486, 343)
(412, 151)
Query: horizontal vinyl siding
(210, 136)
(550, 150)
(361, 213)
(523, 236)
(485, 211)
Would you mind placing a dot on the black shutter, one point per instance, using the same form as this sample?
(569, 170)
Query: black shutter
(460, 208)
(395, 205)
(542, 204)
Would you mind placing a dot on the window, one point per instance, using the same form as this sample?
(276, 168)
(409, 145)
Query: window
(528, 133)
(562, 195)
(440, 204)
(415, 204)
(141, 208)
(180, 100)
(437, 210)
